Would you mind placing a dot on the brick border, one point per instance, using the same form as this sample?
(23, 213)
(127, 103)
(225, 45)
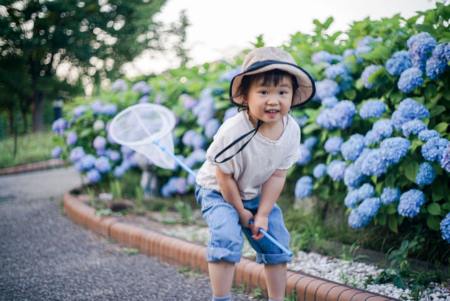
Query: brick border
(180, 252)
(52, 163)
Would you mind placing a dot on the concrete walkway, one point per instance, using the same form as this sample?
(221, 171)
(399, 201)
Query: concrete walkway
(44, 256)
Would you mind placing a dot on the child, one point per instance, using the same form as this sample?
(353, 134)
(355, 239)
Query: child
(245, 169)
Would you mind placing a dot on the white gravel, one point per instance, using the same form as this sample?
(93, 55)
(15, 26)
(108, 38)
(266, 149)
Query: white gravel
(348, 272)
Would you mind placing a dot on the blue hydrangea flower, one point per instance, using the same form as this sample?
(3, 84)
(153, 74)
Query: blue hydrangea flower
(322, 57)
(87, 162)
(368, 41)
(144, 99)
(188, 101)
(59, 126)
(411, 202)
(413, 127)
(311, 142)
(126, 151)
(334, 71)
(141, 87)
(56, 152)
(433, 150)
(340, 116)
(410, 79)
(119, 86)
(445, 161)
(102, 165)
(99, 143)
(408, 110)
(353, 176)
(119, 171)
(369, 207)
(320, 170)
(71, 138)
(93, 176)
(198, 155)
(356, 220)
(211, 127)
(303, 187)
(228, 75)
(367, 73)
(348, 52)
(205, 108)
(420, 48)
(426, 135)
(374, 164)
(435, 67)
(352, 199)
(426, 174)
(372, 137)
(390, 195)
(383, 128)
(76, 154)
(109, 109)
(113, 155)
(188, 136)
(336, 170)
(445, 228)
(394, 149)
(327, 88)
(352, 148)
(366, 191)
(198, 141)
(79, 111)
(399, 62)
(372, 109)
(333, 145)
(302, 120)
(329, 102)
(305, 155)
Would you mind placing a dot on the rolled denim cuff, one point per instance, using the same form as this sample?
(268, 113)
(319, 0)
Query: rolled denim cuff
(221, 254)
(273, 258)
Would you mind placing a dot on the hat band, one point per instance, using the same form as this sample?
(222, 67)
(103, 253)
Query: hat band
(261, 64)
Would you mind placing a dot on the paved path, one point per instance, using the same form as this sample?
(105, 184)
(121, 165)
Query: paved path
(44, 256)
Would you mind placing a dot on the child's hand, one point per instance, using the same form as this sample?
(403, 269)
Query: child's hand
(261, 221)
(245, 216)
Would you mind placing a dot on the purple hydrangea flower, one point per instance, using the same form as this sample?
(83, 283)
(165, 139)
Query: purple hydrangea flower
(59, 126)
(372, 109)
(411, 202)
(93, 176)
(433, 150)
(410, 79)
(102, 165)
(141, 87)
(76, 154)
(56, 152)
(399, 62)
(303, 187)
(211, 127)
(119, 86)
(390, 195)
(445, 228)
(71, 138)
(109, 109)
(336, 170)
(188, 101)
(426, 174)
(367, 73)
(230, 113)
(99, 143)
(320, 170)
(79, 111)
(352, 148)
(413, 127)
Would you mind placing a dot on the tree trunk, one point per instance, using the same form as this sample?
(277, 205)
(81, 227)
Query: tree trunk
(38, 111)
(11, 121)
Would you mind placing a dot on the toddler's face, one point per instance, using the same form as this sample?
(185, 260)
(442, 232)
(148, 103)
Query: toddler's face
(270, 103)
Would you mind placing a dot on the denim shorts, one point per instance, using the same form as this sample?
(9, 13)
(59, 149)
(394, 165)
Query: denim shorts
(226, 239)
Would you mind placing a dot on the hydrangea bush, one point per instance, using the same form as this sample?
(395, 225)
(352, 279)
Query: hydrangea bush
(374, 138)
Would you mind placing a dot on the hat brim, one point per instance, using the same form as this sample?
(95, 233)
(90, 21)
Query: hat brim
(306, 87)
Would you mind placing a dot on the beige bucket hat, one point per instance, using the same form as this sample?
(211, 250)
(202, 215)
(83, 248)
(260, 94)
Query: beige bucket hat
(270, 58)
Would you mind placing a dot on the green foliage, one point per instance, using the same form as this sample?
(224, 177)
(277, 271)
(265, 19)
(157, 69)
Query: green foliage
(185, 212)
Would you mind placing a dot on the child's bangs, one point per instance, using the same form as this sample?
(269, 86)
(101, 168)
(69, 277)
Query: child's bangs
(272, 77)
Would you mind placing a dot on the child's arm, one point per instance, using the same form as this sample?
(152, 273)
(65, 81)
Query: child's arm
(230, 191)
(270, 192)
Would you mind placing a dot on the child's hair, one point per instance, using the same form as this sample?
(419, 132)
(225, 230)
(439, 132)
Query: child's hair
(271, 77)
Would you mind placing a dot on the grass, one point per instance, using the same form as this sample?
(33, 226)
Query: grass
(30, 148)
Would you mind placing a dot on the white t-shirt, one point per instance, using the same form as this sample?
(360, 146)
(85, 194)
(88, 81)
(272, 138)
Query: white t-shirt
(254, 165)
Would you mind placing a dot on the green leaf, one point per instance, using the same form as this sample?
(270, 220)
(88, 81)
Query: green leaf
(434, 209)
(391, 209)
(392, 223)
(437, 110)
(411, 168)
(310, 128)
(441, 127)
(433, 222)
(382, 219)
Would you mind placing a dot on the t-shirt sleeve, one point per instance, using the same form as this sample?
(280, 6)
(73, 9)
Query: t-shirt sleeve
(220, 141)
(293, 153)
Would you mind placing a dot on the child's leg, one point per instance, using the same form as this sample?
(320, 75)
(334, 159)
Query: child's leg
(275, 280)
(221, 275)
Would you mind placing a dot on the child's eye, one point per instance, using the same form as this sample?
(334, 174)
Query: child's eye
(263, 92)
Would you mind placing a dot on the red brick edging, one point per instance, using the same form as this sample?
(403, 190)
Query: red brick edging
(180, 252)
(52, 163)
